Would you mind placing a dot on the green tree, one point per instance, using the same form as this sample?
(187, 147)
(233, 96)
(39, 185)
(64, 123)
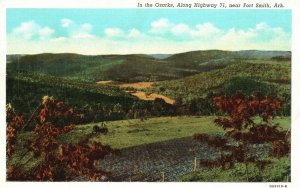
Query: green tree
(246, 85)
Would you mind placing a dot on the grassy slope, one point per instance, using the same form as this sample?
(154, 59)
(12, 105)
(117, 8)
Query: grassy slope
(199, 85)
(278, 171)
(127, 133)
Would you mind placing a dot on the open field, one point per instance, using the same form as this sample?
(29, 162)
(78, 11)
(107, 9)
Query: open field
(129, 133)
(136, 85)
(149, 147)
(160, 145)
(139, 94)
(150, 96)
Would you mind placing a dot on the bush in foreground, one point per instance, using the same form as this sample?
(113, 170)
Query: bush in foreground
(56, 161)
(278, 170)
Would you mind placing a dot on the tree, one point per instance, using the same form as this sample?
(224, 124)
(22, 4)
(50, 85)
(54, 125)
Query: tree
(240, 122)
(58, 162)
(245, 85)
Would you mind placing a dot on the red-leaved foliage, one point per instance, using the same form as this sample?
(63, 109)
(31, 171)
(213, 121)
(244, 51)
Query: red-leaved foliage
(60, 162)
(280, 148)
(241, 113)
(83, 158)
(239, 122)
(241, 109)
(56, 112)
(14, 124)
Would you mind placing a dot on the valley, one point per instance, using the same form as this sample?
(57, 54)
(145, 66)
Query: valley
(139, 94)
(151, 108)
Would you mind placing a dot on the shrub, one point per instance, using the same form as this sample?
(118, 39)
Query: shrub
(58, 162)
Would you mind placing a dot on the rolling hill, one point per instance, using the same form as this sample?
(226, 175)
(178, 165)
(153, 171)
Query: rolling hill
(187, 76)
(277, 75)
(25, 91)
(133, 68)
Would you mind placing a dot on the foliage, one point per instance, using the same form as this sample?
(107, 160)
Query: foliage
(93, 102)
(240, 126)
(97, 103)
(197, 106)
(75, 66)
(24, 91)
(129, 68)
(275, 76)
(59, 162)
(282, 58)
(245, 85)
(274, 170)
(14, 124)
(213, 81)
(132, 68)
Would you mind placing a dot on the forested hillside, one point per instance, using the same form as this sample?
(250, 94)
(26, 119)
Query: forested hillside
(133, 68)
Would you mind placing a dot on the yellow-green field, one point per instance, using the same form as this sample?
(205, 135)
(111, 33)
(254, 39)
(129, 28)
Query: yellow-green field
(128, 133)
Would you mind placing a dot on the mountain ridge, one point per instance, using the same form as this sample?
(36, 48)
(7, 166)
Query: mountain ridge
(135, 67)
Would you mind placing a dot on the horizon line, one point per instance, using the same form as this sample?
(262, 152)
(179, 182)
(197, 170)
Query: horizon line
(148, 53)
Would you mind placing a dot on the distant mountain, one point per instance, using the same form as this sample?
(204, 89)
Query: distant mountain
(12, 58)
(263, 54)
(133, 68)
(160, 56)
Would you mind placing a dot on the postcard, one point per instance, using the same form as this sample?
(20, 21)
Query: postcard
(195, 93)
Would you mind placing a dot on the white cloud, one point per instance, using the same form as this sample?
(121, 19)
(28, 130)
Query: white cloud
(160, 26)
(77, 31)
(83, 36)
(162, 37)
(164, 26)
(261, 26)
(134, 33)
(180, 29)
(262, 36)
(114, 32)
(66, 22)
(86, 27)
(26, 30)
(31, 30)
(205, 29)
(117, 33)
(59, 39)
(45, 32)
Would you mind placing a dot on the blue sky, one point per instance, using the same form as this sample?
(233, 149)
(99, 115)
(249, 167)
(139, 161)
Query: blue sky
(111, 31)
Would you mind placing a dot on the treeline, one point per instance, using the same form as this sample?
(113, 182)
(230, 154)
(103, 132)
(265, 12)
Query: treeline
(146, 109)
(94, 103)
(277, 76)
(94, 106)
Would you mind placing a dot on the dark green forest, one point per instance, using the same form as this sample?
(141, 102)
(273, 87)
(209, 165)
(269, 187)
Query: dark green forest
(191, 79)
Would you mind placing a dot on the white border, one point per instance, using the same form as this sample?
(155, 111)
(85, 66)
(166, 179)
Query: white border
(289, 4)
(121, 3)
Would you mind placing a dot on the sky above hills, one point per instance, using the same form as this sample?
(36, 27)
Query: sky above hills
(126, 31)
